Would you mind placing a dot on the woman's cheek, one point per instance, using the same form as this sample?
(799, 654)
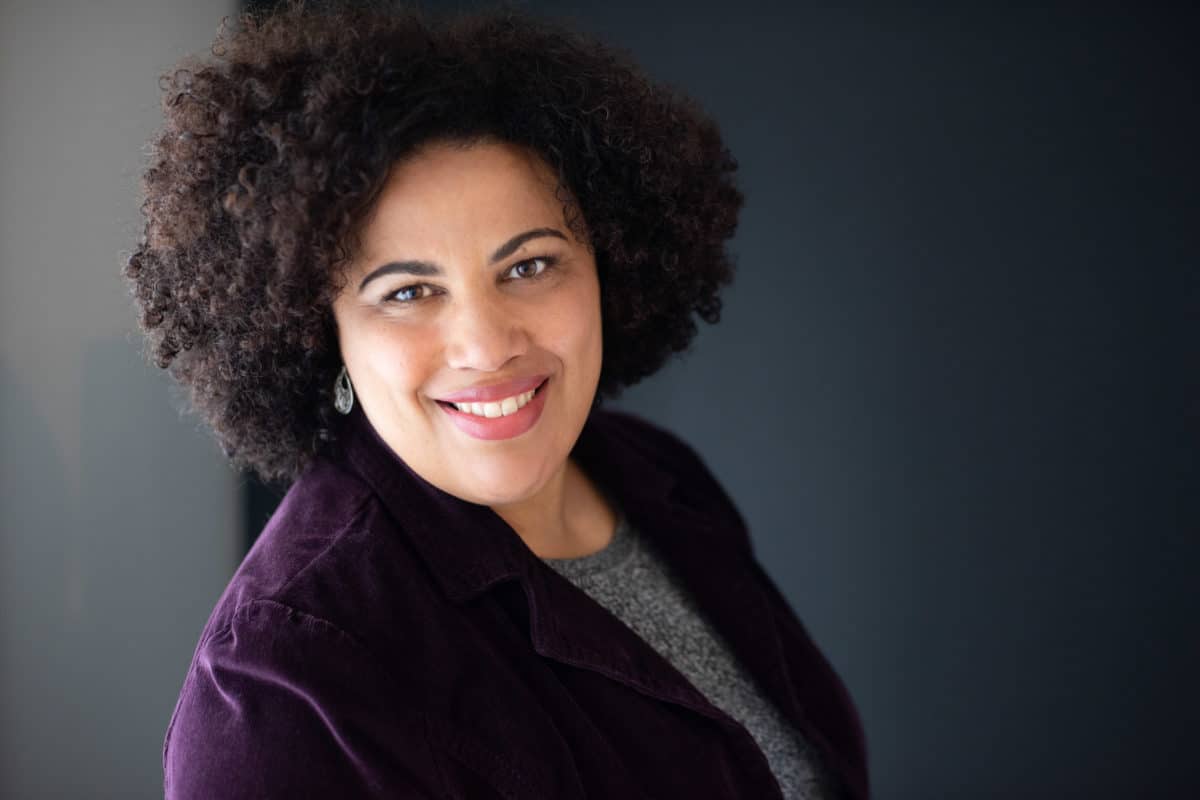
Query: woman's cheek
(394, 351)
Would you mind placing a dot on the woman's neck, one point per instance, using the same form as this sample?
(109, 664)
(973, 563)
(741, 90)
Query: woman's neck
(570, 517)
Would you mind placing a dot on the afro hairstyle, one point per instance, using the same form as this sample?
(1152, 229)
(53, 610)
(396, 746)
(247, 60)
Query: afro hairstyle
(275, 146)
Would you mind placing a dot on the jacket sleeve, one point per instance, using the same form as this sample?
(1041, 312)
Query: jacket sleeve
(282, 704)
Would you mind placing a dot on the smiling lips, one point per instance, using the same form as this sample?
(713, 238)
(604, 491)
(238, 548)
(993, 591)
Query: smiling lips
(500, 411)
(496, 391)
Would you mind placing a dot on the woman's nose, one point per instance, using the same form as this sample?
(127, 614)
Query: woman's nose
(484, 336)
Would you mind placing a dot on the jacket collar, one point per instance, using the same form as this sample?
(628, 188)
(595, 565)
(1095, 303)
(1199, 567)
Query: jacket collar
(469, 547)
(667, 496)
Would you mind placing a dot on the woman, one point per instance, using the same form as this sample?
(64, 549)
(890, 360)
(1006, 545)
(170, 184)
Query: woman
(399, 262)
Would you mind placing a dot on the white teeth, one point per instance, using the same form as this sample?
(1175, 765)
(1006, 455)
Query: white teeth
(503, 408)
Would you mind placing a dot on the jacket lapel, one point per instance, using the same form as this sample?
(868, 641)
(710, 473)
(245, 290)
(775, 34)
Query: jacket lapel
(469, 548)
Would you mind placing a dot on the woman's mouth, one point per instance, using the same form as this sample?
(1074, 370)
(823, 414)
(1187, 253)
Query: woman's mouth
(504, 419)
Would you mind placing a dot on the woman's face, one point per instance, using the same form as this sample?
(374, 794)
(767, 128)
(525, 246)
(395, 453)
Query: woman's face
(469, 279)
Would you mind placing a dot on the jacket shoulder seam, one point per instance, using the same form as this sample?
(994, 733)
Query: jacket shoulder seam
(243, 608)
(244, 612)
(246, 609)
(352, 519)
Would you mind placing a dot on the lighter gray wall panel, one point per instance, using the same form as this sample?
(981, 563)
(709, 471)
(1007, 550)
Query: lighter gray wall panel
(118, 517)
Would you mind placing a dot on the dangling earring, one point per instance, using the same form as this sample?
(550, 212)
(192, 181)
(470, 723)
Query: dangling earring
(343, 392)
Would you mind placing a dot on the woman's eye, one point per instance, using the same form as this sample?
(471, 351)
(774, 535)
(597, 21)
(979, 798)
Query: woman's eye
(406, 294)
(529, 267)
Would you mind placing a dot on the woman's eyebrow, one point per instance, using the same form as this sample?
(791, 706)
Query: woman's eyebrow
(428, 268)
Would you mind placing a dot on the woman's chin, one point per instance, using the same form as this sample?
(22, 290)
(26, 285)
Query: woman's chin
(504, 483)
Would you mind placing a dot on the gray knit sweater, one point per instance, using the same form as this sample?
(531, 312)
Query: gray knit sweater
(630, 579)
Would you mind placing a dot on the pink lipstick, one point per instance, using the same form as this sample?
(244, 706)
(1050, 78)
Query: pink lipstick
(501, 427)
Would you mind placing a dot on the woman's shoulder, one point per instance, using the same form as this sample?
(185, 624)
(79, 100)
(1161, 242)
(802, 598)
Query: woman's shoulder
(655, 441)
(635, 427)
(279, 700)
(304, 624)
(672, 453)
(313, 557)
(323, 513)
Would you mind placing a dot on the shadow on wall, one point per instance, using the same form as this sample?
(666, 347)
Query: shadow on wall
(39, 603)
(103, 589)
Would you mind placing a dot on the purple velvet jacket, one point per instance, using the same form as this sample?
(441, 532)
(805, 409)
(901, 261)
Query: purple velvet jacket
(385, 639)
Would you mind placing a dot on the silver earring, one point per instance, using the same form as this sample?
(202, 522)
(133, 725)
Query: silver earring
(343, 392)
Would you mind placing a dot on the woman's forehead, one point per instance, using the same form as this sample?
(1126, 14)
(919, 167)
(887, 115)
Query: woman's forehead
(445, 196)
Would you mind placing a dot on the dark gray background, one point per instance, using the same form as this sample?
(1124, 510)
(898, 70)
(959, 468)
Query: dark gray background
(954, 390)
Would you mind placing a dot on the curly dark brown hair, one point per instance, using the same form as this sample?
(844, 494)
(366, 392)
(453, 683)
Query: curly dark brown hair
(275, 147)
